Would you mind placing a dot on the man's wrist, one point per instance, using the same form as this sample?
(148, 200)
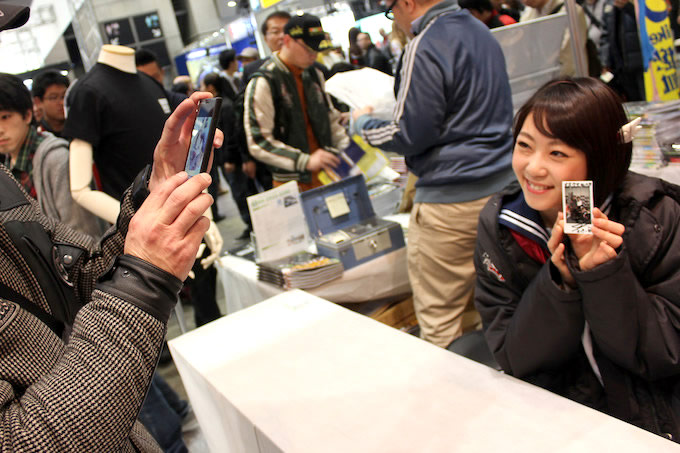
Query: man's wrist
(140, 187)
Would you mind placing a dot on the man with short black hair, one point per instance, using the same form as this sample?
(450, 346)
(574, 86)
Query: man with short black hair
(229, 66)
(49, 91)
(38, 159)
(290, 122)
(147, 63)
(272, 30)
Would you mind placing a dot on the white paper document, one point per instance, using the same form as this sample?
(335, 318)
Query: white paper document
(363, 87)
(278, 222)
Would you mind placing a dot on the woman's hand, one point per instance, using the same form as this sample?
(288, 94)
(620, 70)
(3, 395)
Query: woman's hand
(557, 248)
(599, 247)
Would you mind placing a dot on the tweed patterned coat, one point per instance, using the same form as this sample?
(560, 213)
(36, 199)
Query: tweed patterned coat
(82, 394)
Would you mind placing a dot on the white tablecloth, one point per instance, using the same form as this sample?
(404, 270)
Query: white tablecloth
(299, 374)
(385, 278)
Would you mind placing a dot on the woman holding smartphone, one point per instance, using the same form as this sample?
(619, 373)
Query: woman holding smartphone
(595, 318)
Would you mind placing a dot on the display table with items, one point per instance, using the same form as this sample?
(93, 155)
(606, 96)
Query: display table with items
(296, 373)
(385, 278)
(359, 256)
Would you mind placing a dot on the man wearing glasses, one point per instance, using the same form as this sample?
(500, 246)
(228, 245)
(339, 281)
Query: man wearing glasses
(290, 122)
(49, 90)
(272, 30)
(452, 122)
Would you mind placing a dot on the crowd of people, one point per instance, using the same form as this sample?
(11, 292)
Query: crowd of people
(100, 225)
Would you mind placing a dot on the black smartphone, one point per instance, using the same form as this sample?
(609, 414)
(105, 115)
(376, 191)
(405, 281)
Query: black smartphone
(207, 115)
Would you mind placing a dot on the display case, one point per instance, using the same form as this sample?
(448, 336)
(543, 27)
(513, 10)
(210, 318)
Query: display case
(343, 224)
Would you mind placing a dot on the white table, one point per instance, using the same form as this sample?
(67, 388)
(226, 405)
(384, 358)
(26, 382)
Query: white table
(385, 277)
(296, 373)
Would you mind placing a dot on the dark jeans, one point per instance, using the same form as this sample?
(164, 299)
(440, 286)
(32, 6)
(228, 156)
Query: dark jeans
(242, 187)
(203, 293)
(162, 414)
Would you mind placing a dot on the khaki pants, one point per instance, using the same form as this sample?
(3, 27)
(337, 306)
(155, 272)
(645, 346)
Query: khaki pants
(441, 245)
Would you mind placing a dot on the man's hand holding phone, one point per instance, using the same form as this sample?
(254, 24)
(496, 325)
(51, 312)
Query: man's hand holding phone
(172, 149)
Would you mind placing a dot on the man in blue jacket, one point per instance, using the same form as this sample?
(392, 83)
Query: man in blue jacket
(452, 122)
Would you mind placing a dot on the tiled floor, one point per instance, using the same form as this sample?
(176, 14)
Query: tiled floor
(230, 228)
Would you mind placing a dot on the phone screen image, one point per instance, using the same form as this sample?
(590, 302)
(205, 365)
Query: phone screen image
(202, 136)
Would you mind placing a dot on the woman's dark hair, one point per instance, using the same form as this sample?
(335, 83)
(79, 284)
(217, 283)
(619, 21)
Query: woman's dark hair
(352, 35)
(587, 115)
(216, 81)
(14, 96)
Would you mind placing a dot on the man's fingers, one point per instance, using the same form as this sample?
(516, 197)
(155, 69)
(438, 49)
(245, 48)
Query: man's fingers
(158, 197)
(179, 198)
(196, 231)
(193, 211)
(176, 123)
(329, 160)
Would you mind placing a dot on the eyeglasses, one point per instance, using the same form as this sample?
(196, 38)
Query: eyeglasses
(274, 32)
(388, 12)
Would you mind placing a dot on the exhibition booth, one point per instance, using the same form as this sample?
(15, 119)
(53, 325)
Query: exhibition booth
(294, 371)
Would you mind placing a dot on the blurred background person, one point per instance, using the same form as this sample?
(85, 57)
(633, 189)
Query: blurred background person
(485, 12)
(272, 30)
(372, 56)
(229, 67)
(147, 63)
(49, 91)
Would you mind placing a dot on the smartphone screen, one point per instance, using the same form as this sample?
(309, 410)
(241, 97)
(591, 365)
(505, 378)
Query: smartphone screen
(202, 136)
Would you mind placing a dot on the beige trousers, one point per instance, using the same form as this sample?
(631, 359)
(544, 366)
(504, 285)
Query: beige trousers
(441, 245)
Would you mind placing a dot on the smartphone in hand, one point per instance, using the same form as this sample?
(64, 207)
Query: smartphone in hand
(207, 115)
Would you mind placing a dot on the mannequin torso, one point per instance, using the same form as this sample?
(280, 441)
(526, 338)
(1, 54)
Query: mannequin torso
(81, 154)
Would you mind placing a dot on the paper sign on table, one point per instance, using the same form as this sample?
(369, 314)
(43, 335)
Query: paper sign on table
(278, 222)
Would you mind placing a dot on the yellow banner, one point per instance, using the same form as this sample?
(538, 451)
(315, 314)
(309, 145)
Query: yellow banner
(661, 83)
(267, 3)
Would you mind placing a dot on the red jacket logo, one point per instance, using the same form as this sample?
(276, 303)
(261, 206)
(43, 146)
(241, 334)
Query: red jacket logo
(492, 267)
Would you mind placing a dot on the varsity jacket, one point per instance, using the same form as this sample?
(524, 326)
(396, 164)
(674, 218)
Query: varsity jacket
(80, 388)
(274, 122)
(453, 116)
(629, 365)
(52, 185)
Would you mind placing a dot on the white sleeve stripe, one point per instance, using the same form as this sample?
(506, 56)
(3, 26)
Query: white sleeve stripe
(521, 222)
(265, 117)
(407, 71)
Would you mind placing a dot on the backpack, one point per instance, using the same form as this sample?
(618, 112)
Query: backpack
(45, 259)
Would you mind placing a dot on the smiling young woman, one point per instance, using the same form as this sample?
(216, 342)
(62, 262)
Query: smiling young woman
(592, 317)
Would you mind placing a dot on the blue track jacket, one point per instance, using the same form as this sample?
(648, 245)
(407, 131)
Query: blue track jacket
(453, 116)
